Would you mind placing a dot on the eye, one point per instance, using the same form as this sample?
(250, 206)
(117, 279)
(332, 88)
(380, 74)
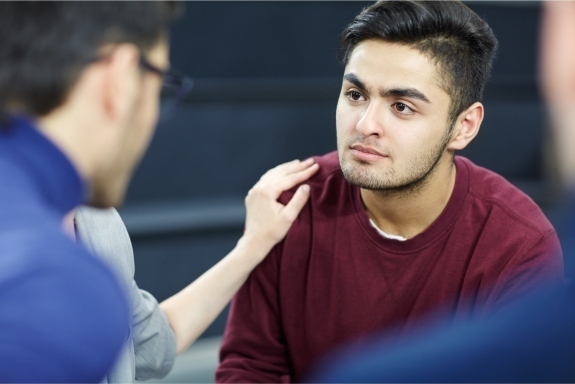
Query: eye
(354, 96)
(402, 109)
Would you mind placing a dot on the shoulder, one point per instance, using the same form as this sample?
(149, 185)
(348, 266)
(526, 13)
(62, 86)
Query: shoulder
(98, 217)
(42, 248)
(43, 254)
(327, 178)
(45, 261)
(329, 170)
(45, 271)
(103, 232)
(329, 164)
(493, 192)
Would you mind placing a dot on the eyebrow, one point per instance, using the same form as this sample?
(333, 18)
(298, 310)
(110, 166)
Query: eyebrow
(404, 92)
(394, 92)
(352, 78)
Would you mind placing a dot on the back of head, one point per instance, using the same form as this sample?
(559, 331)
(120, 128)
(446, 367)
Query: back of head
(46, 45)
(456, 39)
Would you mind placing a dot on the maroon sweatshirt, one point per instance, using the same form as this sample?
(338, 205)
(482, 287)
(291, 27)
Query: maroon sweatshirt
(335, 278)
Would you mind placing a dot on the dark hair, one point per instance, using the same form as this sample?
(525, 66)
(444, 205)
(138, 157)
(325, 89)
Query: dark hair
(45, 45)
(460, 43)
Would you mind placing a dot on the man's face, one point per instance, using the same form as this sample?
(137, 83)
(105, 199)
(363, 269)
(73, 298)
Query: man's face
(134, 134)
(392, 117)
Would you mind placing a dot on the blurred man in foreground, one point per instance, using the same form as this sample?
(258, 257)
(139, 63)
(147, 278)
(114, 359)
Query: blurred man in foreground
(531, 341)
(79, 99)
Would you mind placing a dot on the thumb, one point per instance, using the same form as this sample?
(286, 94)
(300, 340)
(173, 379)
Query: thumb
(295, 205)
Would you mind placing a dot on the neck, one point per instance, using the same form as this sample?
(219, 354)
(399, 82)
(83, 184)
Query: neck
(409, 211)
(63, 130)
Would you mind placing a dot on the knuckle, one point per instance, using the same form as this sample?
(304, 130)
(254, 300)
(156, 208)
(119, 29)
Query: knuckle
(289, 215)
(259, 191)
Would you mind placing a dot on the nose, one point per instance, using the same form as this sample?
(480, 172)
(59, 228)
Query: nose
(370, 123)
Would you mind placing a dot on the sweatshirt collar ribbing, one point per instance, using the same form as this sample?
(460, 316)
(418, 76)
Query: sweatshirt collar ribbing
(435, 230)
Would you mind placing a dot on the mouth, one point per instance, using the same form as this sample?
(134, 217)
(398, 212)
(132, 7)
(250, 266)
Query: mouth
(366, 153)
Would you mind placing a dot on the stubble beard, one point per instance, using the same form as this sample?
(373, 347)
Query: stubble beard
(413, 181)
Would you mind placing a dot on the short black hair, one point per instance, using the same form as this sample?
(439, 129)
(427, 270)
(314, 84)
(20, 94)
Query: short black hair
(45, 45)
(456, 39)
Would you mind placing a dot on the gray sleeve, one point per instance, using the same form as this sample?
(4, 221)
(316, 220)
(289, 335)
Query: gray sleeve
(103, 232)
(154, 340)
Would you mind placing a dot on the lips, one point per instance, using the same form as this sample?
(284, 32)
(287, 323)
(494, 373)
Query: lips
(367, 150)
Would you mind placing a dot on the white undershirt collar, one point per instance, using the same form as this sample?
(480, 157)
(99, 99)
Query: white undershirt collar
(386, 235)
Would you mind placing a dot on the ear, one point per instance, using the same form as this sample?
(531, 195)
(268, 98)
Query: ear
(466, 127)
(120, 82)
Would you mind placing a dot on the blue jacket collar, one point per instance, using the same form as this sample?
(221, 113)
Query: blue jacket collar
(57, 179)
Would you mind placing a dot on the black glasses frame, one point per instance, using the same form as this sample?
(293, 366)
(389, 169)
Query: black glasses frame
(180, 84)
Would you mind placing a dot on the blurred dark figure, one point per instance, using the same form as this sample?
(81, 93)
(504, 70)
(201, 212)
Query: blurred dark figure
(79, 98)
(534, 339)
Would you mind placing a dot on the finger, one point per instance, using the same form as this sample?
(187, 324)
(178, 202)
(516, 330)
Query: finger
(287, 168)
(276, 176)
(297, 202)
(290, 181)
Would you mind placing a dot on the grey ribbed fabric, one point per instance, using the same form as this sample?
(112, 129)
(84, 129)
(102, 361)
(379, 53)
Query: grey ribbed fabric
(151, 349)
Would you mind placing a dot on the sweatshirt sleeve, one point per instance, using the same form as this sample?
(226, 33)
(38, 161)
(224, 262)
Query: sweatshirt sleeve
(254, 347)
(540, 264)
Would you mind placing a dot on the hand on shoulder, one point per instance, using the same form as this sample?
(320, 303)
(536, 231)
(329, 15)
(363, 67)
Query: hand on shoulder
(267, 220)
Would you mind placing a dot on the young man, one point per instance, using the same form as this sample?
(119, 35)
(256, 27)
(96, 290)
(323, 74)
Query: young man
(79, 98)
(530, 341)
(397, 226)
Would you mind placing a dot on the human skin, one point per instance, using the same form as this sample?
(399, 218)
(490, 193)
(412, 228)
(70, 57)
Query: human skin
(105, 126)
(194, 308)
(557, 63)
(108, 119)
(394, 135)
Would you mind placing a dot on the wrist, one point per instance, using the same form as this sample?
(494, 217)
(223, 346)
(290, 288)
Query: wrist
(254, 248)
